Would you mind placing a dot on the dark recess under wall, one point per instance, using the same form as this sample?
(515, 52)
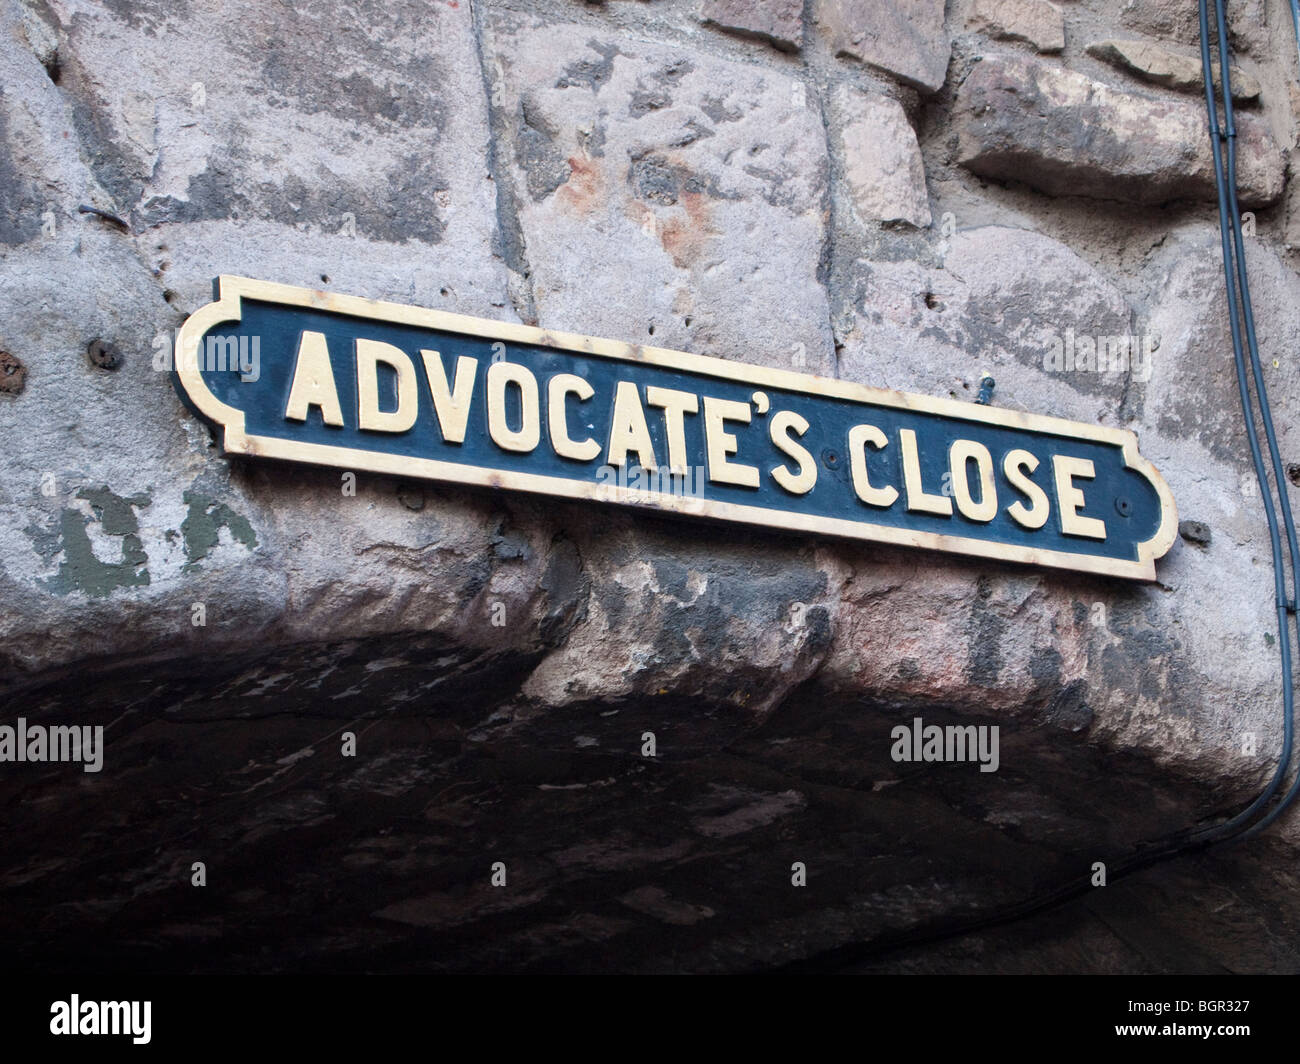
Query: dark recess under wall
(382, 862)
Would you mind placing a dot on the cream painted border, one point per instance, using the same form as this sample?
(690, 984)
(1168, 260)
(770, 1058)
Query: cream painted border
(232, 289)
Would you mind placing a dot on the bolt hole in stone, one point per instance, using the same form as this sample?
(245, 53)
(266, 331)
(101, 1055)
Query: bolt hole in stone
(103, 355)
(652, 330)
(169, 294)
(13, 374)
(411, 496)
(933, 302)
(324, 278)
(1195, 532)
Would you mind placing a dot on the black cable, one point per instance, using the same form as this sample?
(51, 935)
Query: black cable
(1233, 218)
(1240, 309)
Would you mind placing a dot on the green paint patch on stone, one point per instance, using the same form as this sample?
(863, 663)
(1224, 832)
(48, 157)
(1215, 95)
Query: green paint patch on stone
(116, 514)
(203, 523)
(80, 569)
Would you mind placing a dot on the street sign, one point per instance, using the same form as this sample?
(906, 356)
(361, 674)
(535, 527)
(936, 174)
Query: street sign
(309, 376)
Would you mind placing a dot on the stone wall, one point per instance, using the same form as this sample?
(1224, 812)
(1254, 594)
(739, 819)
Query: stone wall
(905, 193)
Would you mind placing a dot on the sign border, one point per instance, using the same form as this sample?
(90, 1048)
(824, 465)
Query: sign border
(232, 289)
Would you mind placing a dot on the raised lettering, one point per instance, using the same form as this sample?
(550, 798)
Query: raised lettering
(918, 499)
(369, 354)
(450, 403)
(720, 444)
(859, 437)
(800, 483)
(525, 438)
(313, 382)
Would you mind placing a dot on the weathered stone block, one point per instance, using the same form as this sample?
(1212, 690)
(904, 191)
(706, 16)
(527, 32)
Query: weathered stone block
(904, 38)
(882, 160)
(1173, 20)
(1172, 69)
(1037, 22)
(1063, 133)
(667, 197)
(780, 22)
(1003, 301)
(290, 142)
